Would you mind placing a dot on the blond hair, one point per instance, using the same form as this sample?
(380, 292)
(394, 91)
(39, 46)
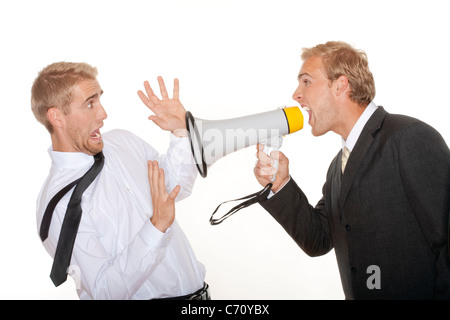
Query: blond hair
(339, 58)
(53, 88)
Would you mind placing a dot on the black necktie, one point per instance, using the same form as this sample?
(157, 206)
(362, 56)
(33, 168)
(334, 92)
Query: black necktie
(71, 221)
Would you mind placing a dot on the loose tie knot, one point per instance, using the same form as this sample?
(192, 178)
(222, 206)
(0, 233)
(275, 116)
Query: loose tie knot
(345, 155)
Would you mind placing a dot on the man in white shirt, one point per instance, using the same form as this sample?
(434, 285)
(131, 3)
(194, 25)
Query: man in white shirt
(386, 199)
(128, 244)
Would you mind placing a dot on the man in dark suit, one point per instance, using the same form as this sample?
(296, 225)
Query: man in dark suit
(386, 203)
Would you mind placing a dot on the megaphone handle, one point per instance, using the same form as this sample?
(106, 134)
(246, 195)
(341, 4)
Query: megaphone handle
(273, 144)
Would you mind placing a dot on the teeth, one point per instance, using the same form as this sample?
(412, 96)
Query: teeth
(96, 135)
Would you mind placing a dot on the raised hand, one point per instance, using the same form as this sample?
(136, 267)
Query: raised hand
(163, 203)
(169, 114)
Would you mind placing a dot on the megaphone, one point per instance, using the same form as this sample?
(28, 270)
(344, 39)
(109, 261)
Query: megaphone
(213, 139)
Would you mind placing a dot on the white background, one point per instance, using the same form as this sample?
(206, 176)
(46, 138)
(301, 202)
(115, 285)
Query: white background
(233, 58)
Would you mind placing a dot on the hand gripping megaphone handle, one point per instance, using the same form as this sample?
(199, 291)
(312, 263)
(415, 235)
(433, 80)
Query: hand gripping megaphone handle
(273, 144)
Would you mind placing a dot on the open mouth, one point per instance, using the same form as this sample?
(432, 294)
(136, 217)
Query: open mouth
(307, 109)
(96, 135)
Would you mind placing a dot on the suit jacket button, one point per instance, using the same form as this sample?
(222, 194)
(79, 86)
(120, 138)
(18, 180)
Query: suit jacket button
(347, 228)
(353, 270)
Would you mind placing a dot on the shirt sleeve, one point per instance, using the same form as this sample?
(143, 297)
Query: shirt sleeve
(179, 166)
(178, 162)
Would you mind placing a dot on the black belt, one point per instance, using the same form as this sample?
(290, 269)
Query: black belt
(200, 294)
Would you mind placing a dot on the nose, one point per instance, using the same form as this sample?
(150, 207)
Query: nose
(298, 95)
(102, 115)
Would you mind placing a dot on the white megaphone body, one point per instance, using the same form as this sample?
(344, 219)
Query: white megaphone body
(213, 139)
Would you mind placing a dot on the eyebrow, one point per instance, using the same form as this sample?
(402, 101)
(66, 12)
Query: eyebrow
(95, 95)
(303, 74)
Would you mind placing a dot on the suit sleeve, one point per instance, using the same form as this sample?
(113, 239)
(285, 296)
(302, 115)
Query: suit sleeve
(424, 160)
(307, 225)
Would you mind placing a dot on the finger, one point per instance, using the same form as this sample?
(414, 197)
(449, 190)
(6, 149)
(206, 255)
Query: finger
(150, 173)
(174, 193)
(151, 95)
(161, 181)
(176, 89)
(282, 158)
(263, 170)
(145, 100)
(262, 178)
(152, 185)
(158, 121)
(275, 155)
(263, 157)
(162, 88)
(155, 177)
(268, 171)
(150, 103)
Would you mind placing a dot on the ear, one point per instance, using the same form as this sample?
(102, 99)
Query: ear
(341, 85)
(55, 117)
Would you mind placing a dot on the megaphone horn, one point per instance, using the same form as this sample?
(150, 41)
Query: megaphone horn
(213, 139)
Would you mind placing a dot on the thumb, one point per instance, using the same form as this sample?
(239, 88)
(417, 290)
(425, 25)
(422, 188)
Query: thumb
(282, 159)
(278, 155)
(157, 120)
(174, 193)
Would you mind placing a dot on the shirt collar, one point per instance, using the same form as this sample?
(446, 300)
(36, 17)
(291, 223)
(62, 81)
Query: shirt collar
(358, 127)
(70, 160)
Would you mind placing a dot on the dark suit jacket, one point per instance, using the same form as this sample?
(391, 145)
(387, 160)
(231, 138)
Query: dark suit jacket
(390, 209)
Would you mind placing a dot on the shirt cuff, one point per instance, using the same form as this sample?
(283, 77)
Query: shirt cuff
(152, 236)
(180, 149)
(180, 133)
(271, 193)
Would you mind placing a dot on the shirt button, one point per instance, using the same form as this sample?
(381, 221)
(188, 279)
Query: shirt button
(347, 228)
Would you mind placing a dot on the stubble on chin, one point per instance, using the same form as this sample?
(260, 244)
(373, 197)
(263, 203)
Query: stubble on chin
(87, 146)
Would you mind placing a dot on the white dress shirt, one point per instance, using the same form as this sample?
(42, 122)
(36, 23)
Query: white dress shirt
(354, 134)
(118, 253)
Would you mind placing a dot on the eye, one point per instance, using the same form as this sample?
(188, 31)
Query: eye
(306, 82)
(90, 104)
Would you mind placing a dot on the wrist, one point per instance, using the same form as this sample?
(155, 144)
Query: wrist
(281, 185)
(161, 226)
(180, 133)
(181, 130)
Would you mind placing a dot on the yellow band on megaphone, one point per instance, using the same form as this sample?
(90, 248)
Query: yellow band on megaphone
(294, 118)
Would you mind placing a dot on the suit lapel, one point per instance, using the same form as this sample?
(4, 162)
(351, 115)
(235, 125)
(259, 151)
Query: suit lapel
(363, 144)
(335, 178)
